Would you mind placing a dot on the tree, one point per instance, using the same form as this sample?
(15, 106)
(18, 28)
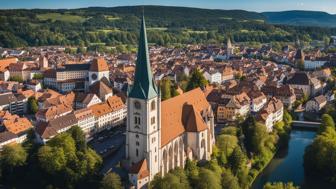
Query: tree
(237, 160)
(165, 89)
(229, 181)
(287, 118)
(13, 156)
(208, 180)
(320, 157)
(111, 181)
(226, 144)
(32, 105)
(38, 76)
(16, 78)
(79, 137)
(196, 80)
(280, 185)
(192, 171)
(327, 121)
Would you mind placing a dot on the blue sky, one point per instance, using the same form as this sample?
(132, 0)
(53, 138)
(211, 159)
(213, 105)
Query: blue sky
(252, 5)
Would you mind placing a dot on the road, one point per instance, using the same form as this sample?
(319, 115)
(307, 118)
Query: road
(113, 144)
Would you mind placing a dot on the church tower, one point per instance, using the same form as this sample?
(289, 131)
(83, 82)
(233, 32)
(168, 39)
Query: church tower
(229, 49)
(143, 119)
(98, 70)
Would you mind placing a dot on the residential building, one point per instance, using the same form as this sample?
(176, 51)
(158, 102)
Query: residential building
(316, 104)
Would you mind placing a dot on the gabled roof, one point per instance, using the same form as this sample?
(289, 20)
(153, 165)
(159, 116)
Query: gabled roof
(100, 89)
(140, 169)
(99, 65)
(144, 86)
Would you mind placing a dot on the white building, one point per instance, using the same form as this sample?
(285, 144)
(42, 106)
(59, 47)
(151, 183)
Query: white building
(213, 76)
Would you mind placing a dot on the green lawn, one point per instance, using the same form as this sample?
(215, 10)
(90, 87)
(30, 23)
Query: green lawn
(61, 17)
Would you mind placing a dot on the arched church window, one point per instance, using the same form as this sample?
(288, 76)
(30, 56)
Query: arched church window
(153, 105)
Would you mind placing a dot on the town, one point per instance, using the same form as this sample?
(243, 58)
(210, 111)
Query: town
(150, 112)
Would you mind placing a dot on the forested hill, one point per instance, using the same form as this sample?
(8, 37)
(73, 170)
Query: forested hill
(301, 18)
(118, 26)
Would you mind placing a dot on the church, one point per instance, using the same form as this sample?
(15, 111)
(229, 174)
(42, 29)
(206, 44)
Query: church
(161, 136)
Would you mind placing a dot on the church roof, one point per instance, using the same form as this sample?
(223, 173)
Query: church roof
(183, 114)
(99, 65)
(144, 86)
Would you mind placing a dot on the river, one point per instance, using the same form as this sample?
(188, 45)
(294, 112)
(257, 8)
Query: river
(287, 165)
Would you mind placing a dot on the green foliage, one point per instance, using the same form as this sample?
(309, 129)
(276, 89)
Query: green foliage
(327, 121)
(196, 80)
(287, 118)
(237, 160)
(38, 76)
(231, 130)
(174, 179)
(226, 144)
(280, 185)
(319, 157)
(208, 179)
(32, 105)
(16, 78)
(13, 156)
(64, 162)
(111, 181)
(229, 181)
(165, 89)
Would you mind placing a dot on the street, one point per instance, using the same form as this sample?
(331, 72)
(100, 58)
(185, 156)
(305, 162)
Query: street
(110, 144)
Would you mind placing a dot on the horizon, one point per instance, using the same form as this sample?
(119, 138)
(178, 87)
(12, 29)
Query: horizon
(257, 6)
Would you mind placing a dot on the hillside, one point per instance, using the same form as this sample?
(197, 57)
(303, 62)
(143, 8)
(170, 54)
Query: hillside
(118, 26)
(301, 18)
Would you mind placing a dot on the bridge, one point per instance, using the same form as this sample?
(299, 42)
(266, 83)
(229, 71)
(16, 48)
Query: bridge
(305, 124)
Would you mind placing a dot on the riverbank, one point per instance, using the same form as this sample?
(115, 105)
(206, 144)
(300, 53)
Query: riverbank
(287, 164)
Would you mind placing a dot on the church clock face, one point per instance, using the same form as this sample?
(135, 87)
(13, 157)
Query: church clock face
(137, 105)
(94, 76)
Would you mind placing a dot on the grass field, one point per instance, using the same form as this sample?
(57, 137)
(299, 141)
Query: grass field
(61, 17)
(158, 28)
(195, 31)
(109, 17)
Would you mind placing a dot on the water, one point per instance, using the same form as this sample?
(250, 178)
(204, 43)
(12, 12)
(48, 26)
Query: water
(287, 165)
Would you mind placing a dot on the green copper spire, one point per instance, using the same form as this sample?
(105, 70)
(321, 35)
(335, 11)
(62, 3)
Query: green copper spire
(144, 86)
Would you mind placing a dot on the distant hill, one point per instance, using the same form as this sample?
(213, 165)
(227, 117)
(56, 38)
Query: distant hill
(108, 27)
(301, 18)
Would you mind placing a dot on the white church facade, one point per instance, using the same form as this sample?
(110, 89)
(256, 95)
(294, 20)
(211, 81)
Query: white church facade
(161, 136)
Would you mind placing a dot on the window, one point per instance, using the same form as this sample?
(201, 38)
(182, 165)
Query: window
(137, 143)
(153, 139)
(153, 120)
(136, 120)
(153, 105)
(137, 136)
(137, 152)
